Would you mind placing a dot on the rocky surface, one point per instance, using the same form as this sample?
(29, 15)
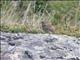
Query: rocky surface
(21, 46)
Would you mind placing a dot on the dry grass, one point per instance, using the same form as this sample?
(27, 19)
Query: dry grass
(65, 17)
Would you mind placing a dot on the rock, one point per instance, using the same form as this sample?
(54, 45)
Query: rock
(29, 55)
(22, 46)
(12, 44)
(2, 38)
(74, 58)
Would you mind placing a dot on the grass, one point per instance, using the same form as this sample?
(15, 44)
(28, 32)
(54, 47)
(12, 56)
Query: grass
(64, 16)
(13, 28)
(71, 31)
(18, 28)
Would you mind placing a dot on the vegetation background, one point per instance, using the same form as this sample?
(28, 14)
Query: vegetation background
(26, 16)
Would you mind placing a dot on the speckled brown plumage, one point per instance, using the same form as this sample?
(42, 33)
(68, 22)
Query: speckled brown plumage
(47, 27)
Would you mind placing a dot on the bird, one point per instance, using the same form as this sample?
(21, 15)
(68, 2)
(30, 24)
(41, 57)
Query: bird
(47, 27)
